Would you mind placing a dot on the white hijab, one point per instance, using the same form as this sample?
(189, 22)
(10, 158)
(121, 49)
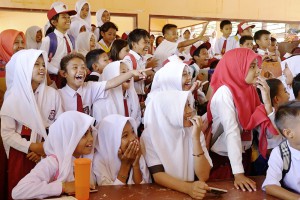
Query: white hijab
(87, 21)
(172, 142)
(99, 14)
(75, 28)
(109, 141)
(114, 104)
(167, 78)
(83, 42)
(64, 136)
(20, 102)
(31, 37)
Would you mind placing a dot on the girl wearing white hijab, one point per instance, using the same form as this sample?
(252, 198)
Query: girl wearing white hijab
(70, 137)
(30, 106)
(102, 16)
(85, 42)
(76, 28)
(118, 158)
(290, 68)
(83, 10)
(175, 148)
(33, 37)
(121, 100)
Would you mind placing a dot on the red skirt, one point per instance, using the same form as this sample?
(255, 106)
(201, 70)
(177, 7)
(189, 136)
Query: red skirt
(18, 167)
(222, 168)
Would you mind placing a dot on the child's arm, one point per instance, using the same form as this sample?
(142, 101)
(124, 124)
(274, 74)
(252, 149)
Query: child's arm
(196, 190)
(281, 193)
(265, 93)
(201, 165)
(192, 41)
(112, 83)
(36, 184)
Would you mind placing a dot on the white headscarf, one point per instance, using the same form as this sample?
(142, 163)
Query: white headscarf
(75, 28)
(293, 64)
(83, 42)
(109, 141)
(20, 102)
(99, 14)
(87, 21)
(64, 136)
(163, 120)
(31, 37)
(114, 104)
(167, 78)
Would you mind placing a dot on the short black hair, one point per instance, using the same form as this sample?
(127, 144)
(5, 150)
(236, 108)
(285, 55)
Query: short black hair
(54, 18)
(106, 26)
(296, 85)
(258, 34)
(136, 35)
(244, 38)
(92, 57)
(273, 39)
(116, 47)
(224, 22)
(286, 112)
(167, 27)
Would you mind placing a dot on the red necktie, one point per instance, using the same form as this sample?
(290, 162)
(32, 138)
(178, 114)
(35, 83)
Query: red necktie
(68, 46)
(224, 47)
(126, 108)
(79, 103)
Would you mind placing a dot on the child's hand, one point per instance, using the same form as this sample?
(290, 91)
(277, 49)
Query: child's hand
(198, 189)
(205, 24)
(68, 187)
(33, 157)
(266, 58)
(136, 162)
(37, 148)
(244, 183)
(152, 63)
(197, 127)
(264, 88)
(140, 73)
(129, 156)
(195, 86)
(204, 38)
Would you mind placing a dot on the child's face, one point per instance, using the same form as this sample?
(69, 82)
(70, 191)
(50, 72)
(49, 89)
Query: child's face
(171, 35)
(247, 31)
(128, 136)
(124, 52)
(253, 73)
(92, 43)
(142, 46)
(186, 79)
(152, 38)
(273, 47)
(247, 44)
(19, 44)
(160, 39)
(186, 35)
(82, 29)
(39, 71)
(84, 11)
(85, 145)
(227, 30)
(202, 58)
(123, 70)
(102, 62)
(63, 22)
(75, 73)
(109, 36)
(288, 75)
(38, 36)
(282, 95)
(105, 17)
(264, 42)
(187, 114)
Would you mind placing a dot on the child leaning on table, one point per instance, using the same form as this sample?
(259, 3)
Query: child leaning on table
(283, 177)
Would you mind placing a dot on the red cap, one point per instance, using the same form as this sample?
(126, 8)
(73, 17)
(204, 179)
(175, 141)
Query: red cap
(125, 35)
(243, 26)
(57, 9)
(205, 45)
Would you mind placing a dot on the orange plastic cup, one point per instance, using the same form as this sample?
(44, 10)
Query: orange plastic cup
(82, 178)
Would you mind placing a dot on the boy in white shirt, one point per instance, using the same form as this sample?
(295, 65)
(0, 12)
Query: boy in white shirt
(262, 39)
(225, 43)
(283, 177)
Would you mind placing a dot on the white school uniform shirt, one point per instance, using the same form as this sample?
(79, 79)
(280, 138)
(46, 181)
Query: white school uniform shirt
(23, 107)
(274, 172)
(262, 52)
(90, 92)
(163, 51)
(31, 37)
(61, 51)
(114, 103)
(97, 74)
(166, 140)
(48, 175)
(141, 64)
(232, 42)
(228, 143)
(103, 46)
(106, 164)
(83, 42)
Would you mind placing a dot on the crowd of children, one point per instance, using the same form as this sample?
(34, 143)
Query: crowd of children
(169, 110)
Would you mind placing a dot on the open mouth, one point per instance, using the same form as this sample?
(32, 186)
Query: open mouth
(188, 84)
(42, 73)
(79, 77)
(89, 146)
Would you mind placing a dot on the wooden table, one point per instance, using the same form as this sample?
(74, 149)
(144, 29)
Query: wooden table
(156, 192)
